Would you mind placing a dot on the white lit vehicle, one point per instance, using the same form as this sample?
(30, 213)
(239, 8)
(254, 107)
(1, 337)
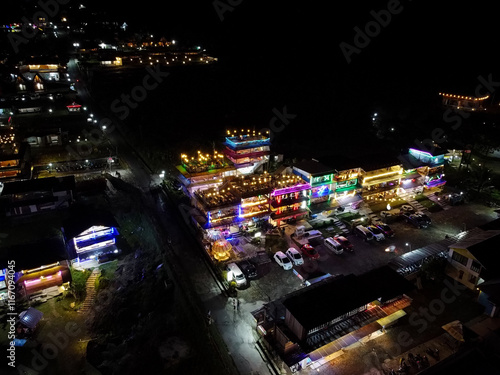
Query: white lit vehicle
(283, 260)
(295, 256)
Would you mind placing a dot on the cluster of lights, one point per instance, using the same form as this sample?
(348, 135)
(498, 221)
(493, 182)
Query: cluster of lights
(275, 185)
(7, 139)
(203, 162)
(244, 133)
(384, 199)
(8, 143)
(463, 97)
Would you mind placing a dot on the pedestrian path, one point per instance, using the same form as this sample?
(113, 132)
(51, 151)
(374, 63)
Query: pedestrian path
(91, 292)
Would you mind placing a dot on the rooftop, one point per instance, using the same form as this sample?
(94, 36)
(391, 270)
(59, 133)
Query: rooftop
(314, 167)
(332, 298)
(233, 189)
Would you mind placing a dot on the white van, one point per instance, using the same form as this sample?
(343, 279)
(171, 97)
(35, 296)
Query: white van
(234, 273)
(333, 245)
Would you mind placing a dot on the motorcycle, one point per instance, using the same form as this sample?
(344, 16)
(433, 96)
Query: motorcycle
(433, 353)
(425, 360)
(411, 359)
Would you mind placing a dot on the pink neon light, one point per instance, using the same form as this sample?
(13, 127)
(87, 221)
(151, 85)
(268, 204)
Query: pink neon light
(30, 282)
(291, 189)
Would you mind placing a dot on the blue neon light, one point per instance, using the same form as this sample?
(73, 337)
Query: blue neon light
(246, 143)
(323, 190)
(239, 210)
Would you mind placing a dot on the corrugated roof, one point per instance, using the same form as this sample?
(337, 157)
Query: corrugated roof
(330, 299)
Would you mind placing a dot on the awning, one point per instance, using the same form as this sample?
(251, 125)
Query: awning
(391, 318)
(30, 318)
(455, 329)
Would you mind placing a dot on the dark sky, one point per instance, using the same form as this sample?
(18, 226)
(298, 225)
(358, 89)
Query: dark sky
(287, 53)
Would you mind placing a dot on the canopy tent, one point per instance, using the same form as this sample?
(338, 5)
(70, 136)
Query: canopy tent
(215, 234)
(221, 249)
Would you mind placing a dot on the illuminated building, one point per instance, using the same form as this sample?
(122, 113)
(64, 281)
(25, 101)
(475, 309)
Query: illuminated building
(347, 183)
(474, 259)
(239, 200)
(429, 165)
(38, 266)
(381, 178)
(90, 235)
(204, 171)
(290, 201)
(463, 102)
(247, 150)
(111, 60)
(320, 177)
(47, 70)
(14, 156)
(343, 309)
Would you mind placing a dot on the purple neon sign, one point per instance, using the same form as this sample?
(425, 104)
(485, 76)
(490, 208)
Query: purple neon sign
(291, 189)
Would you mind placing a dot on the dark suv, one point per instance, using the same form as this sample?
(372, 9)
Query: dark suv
(416, 220)
(248, 268)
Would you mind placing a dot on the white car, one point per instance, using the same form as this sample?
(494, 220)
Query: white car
(295, 256)
(377, 233)
(283, 260)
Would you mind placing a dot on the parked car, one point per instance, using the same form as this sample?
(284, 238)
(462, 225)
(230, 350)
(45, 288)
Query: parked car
(406, 208)
(388, 232)
(424, 217)
(234, 273)
(333, 245)
(295, 256)
(377, 233)
(346, 244)
(416, 220)
(309, 251)
(283, 260)
(363, 233)
(248, 269)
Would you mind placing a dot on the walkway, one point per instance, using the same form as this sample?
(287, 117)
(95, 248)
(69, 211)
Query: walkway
(91, 293)
(408, 197)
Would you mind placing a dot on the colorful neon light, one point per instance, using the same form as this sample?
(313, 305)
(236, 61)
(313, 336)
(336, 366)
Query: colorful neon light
(237, 142)
(323, 190)
(291, 189)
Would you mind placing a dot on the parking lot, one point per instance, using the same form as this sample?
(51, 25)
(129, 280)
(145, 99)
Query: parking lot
(274, 282)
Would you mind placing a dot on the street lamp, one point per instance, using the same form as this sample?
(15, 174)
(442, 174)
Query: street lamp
(50, 165)
(408, 244)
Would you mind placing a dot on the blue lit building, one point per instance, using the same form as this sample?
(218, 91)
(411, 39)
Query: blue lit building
(428, 164)
(247, 151)
(90, 235)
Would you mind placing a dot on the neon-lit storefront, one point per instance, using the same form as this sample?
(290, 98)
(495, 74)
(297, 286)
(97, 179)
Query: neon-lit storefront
(91, 235)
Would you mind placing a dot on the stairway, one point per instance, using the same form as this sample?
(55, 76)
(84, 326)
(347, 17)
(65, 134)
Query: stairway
(439, 200)
(412, 202)
(91, 293)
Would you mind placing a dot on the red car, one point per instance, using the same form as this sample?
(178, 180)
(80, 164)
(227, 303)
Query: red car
(344, 242)
(388, 232)
(309, 251)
